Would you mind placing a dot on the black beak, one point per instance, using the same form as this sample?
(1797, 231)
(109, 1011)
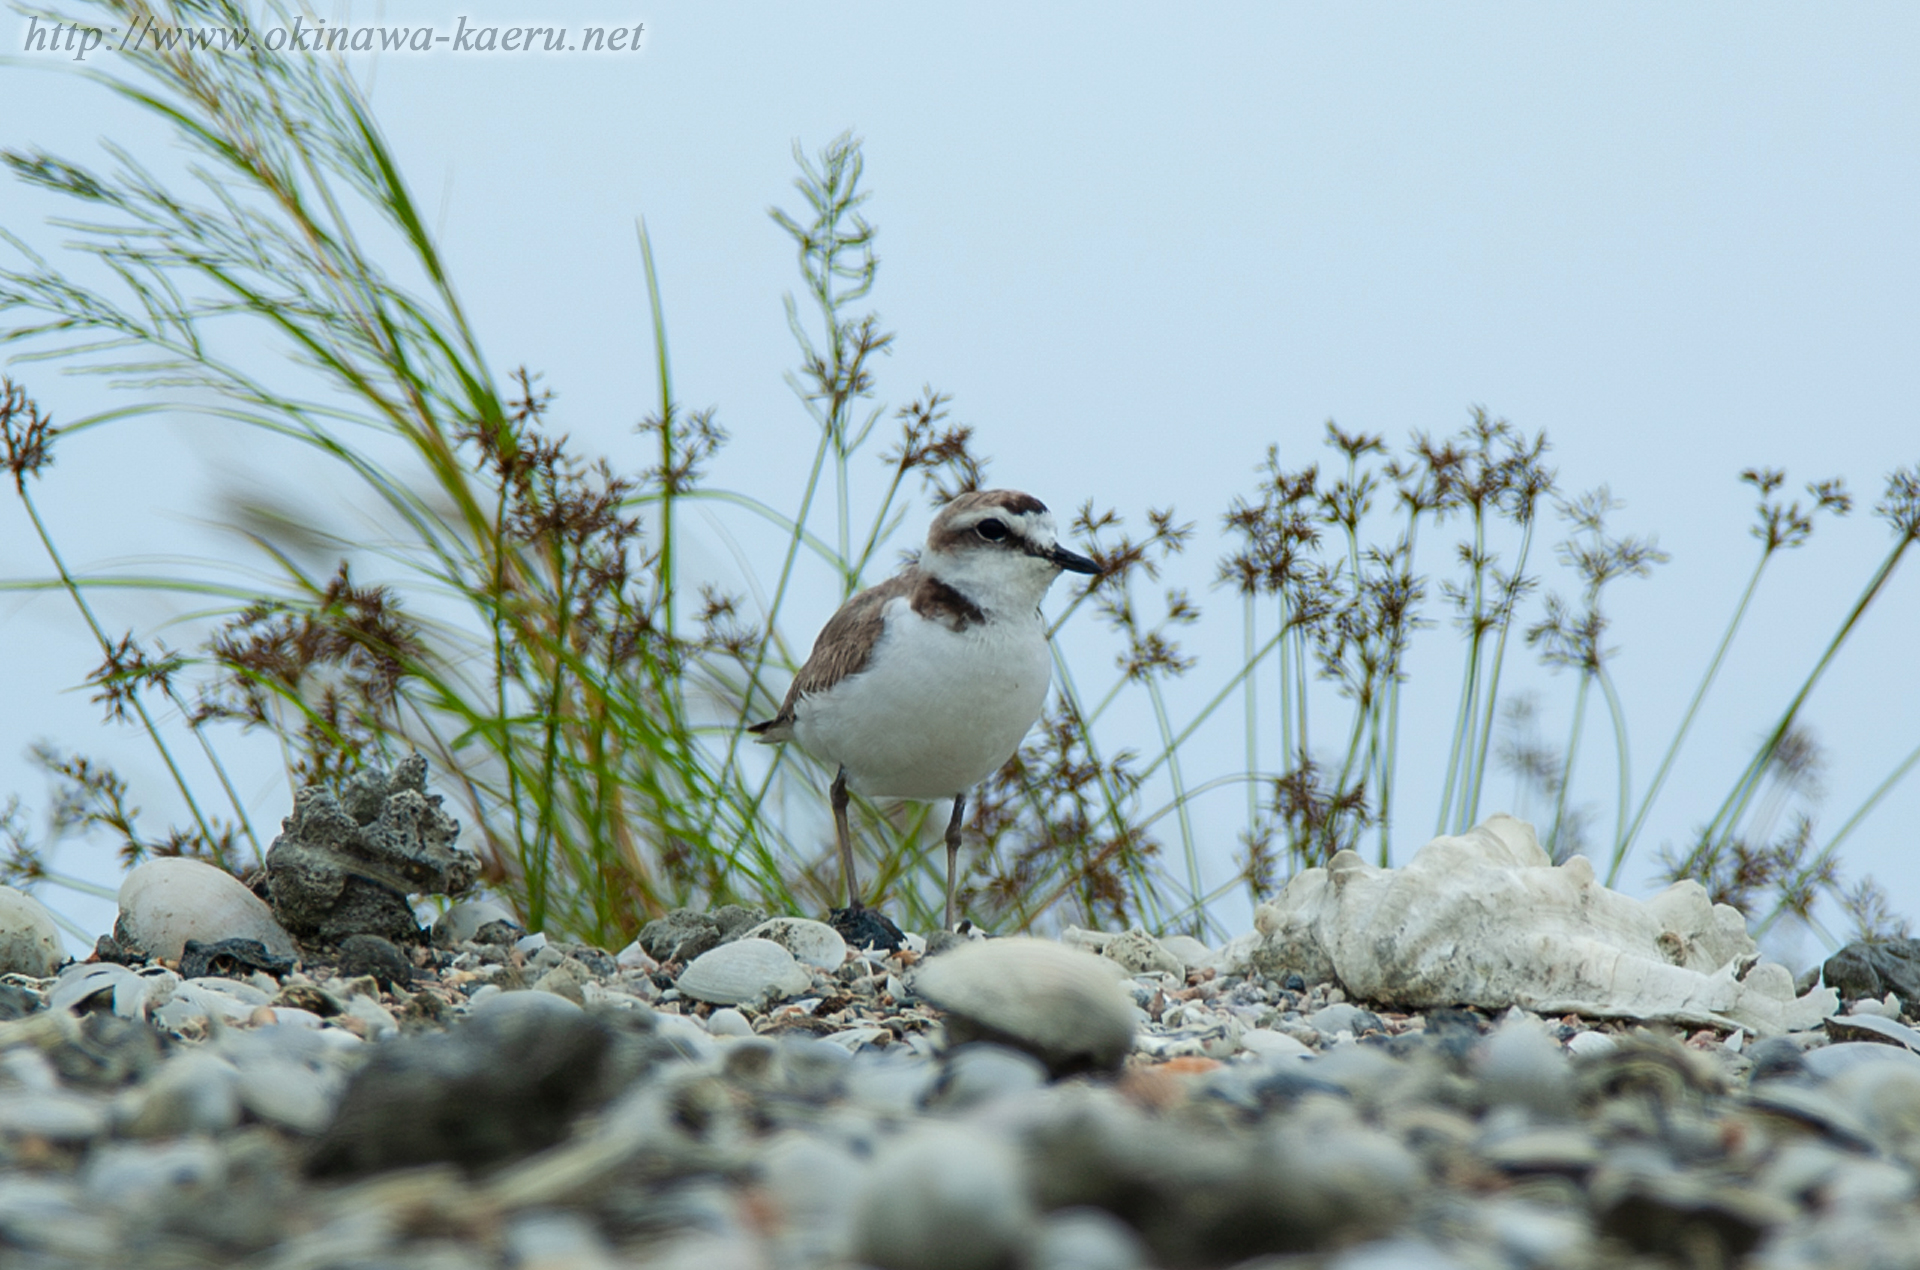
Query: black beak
(1071, 561)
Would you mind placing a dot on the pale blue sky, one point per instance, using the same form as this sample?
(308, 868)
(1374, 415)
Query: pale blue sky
(1140, 247)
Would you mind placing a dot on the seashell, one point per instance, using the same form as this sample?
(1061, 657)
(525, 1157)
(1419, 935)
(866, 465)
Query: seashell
(814, 943)
(166, 902)
(1486, 919)
(192, 1001)
(29, 937)
(743, 972)
(1872, 1027)
(83, 981)
(1060, 1004)
(1192, 954)
(1134, 951)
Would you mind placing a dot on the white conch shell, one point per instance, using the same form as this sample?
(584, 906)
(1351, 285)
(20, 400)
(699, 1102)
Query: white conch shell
(1486, 919)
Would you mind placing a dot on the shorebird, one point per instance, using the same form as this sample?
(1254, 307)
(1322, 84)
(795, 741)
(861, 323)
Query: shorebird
(921, 687)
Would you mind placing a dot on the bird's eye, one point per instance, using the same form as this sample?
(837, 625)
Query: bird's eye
(991, 530)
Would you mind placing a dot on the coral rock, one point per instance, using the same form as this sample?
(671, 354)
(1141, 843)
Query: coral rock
(347, 865)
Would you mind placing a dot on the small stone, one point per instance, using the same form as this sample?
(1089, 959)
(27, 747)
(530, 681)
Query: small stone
(979, 1073)
(193, 1092)
(372, 955)
(1339, 1017)
(1591, 1044)
(51, 1114)
(30, 942)
(169, 900)
(17, 1002)
(562, 981)
(1829, 1061)
(499, 1086)
(1520, 1065)
(293, 1094)
(309, 997)
(680, 935)
(728, 1022)
(230, 957)
(558, 1240)
(1086, 1239)
(944, 1197)
(736, 921)
(1267, 1043)
(1059, 1004)
(1874, 969)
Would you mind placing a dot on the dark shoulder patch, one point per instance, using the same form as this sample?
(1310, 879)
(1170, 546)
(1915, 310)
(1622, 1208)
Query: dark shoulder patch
(938, 602)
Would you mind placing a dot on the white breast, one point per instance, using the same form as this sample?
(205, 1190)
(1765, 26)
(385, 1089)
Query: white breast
(936, 711)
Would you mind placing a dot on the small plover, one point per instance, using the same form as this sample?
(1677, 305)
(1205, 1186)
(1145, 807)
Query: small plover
(922, 686)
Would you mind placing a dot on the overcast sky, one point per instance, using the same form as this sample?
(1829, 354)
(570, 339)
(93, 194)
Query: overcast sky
(1138, 249)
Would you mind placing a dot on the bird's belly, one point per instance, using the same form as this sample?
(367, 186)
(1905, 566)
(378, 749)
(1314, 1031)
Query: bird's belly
(934, 714)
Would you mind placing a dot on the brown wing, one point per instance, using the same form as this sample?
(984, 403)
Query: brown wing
(842, 649)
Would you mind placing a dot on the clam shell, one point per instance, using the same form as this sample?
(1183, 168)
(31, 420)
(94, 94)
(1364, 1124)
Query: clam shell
(743, 972)
(1064, 1006)
(168, 901)
(815, 943)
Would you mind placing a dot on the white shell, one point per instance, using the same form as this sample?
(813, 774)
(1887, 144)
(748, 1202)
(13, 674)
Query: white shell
(1134, 951)
(166, 902)
(1061, 1004)
(1487, 919)
(82, 981)
(463, 921)
(1267, 1043)
(743, 972)
(815, 943)
(29, 937)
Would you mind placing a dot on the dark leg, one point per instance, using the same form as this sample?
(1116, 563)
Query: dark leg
(953, 851)
(839, 795)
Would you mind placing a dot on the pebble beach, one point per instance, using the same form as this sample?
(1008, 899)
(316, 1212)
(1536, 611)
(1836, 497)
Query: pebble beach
(292, 1073)
(734, 1091)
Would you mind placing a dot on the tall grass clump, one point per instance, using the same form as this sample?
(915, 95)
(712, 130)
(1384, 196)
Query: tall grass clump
(521, 611)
